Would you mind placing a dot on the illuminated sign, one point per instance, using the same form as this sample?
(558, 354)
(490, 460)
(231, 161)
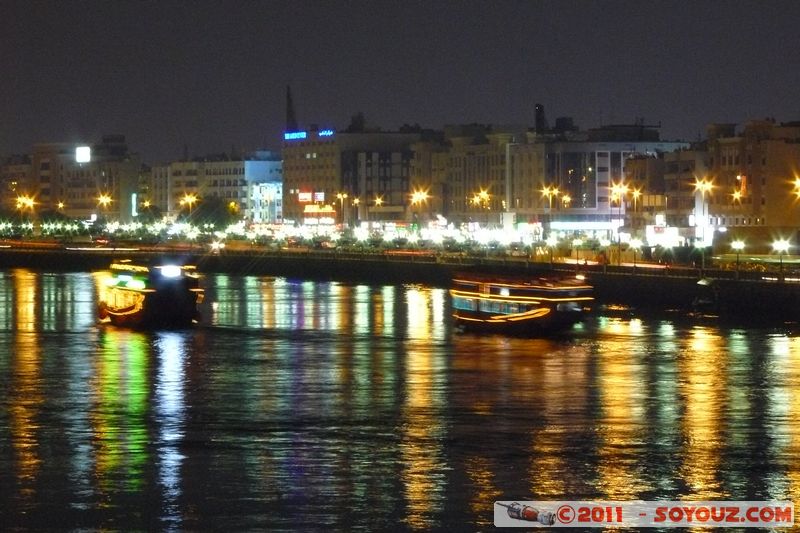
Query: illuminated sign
(83, 154)
(304, 197)
(319, 196)
(326, 133)
(294, 135)
(134, 212)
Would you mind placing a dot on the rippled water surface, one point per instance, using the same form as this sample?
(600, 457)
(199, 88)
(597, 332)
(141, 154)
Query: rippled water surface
(307, 405)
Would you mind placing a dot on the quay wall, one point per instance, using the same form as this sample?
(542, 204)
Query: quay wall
(642, 288)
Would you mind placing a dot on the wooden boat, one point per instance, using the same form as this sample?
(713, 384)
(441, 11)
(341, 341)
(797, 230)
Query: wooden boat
(519, 305)
(164, 294)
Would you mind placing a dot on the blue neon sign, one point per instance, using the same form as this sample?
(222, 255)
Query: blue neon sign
(326, 133)
(294, 135)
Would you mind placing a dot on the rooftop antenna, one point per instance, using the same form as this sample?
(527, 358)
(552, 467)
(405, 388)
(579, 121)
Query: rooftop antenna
(291, 119)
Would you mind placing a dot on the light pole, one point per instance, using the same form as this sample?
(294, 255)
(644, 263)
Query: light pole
(481, 201)
(738, 246)
(356, 203)
(781, 246)
(550, 191)
(104, 200)
(552, 242)
(576, 243)
(23, 203)
(605, 243)
(342, 196)
(618, 192)
(378, 203)
(635, 193)
(190, 200)
(703, 186)
(635, 245)
(418, 197)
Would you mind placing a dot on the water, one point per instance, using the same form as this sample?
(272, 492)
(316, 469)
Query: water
(319, 406)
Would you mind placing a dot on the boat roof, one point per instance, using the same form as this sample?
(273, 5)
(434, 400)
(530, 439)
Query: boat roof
(130, 265)
(519, 280)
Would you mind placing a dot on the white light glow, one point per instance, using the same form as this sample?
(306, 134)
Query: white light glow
(83, 154)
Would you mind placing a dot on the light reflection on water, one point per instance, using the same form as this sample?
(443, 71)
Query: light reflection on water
(300, 404)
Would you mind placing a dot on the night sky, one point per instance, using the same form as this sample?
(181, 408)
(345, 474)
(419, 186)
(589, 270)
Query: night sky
(213, 75)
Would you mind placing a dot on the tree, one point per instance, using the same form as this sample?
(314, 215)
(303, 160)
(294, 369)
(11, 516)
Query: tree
(210, 210)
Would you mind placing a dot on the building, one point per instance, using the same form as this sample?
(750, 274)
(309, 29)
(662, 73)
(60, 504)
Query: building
(16, 180)
(477, 182)
(242, 183)
(84, 181)
(361, 174)
(263, 172)
(683, 170)
(753, 179)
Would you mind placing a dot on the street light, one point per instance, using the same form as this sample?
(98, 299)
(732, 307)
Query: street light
(781, 246)
(23, 203)
(190, 200)
(738, 246)
(635, 193)
(703, 186)
(418, 197)
(618, 192)
(104, 200)
(356, 203)
(550, 191)
(342, 196)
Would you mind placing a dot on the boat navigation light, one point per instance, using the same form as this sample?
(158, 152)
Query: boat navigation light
(171, 271)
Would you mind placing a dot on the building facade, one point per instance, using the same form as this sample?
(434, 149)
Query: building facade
(361, 175)
(180, 186)
(83, 181)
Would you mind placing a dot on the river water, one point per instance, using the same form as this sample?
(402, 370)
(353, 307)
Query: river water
(319, 406)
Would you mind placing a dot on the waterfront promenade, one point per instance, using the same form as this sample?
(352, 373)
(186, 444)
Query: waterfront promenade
(724, 291)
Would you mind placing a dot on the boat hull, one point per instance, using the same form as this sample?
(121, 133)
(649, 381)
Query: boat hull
(150, 296)
(519, 305)
(546, 322)
(163, 309)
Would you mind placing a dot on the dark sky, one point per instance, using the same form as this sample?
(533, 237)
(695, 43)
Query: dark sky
(212, 75)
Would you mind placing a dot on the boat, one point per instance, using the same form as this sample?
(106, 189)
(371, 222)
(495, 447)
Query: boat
(519, 304)
(162, 294)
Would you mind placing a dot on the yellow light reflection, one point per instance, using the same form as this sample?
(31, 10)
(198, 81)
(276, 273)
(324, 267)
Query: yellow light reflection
(421, 449)
(481, 476)
(703, 389)
(25, 395)
(620, 471)
(785, 411)
(418, 312)
(565, 387)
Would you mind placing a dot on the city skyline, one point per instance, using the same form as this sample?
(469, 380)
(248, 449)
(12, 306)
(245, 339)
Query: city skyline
(209, 77)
